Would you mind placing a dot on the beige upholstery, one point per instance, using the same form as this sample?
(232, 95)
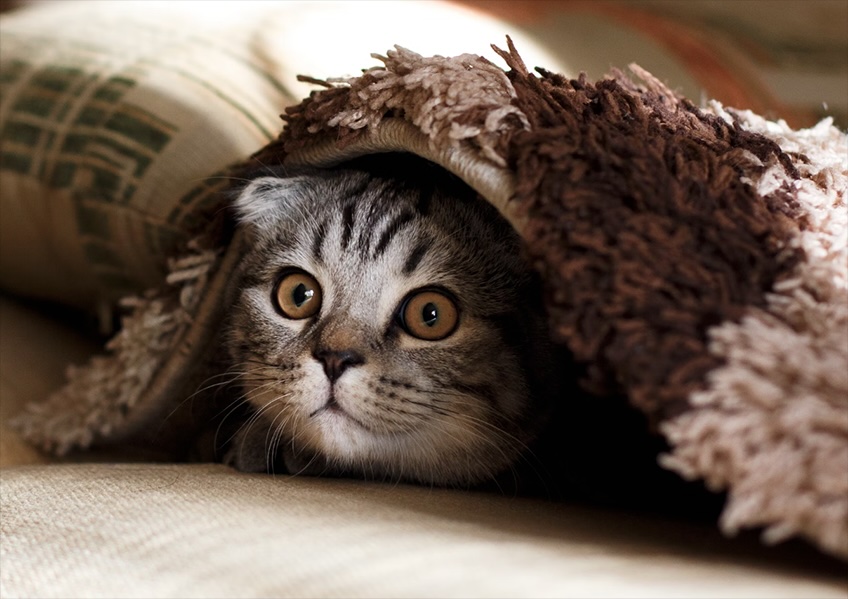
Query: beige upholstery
(116, 530)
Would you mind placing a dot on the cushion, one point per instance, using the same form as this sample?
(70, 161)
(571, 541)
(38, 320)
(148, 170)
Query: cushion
(138, 530)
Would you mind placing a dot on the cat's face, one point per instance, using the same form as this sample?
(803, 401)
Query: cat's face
(382, 331)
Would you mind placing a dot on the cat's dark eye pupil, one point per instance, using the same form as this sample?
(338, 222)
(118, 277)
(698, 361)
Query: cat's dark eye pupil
(430, 314)
(302, 294)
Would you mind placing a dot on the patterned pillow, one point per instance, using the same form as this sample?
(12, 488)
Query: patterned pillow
(112, 120)
(116, 117)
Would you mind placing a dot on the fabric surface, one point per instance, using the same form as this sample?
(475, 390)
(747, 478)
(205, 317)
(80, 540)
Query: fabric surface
(101, 114)
(206, 531)
(38, 345)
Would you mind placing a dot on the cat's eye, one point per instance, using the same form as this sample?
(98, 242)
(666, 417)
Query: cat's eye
(298, 295)
(429, 315)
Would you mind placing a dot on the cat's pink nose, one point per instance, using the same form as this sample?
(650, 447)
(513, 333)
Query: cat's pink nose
(336, 362)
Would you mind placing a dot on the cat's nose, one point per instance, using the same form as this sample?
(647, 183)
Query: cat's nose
(336, 362)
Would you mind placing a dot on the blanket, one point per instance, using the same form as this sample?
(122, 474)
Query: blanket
(693, 257)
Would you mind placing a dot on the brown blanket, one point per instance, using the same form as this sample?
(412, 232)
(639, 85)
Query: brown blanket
(694, 261)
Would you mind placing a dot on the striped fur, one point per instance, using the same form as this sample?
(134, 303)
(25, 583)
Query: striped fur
(455, 411)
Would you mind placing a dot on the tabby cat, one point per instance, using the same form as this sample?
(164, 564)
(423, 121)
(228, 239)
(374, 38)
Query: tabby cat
(386, 326)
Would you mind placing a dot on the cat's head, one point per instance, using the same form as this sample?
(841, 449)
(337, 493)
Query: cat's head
(385, 327)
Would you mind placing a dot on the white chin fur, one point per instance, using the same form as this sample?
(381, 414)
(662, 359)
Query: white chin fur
(408, 456)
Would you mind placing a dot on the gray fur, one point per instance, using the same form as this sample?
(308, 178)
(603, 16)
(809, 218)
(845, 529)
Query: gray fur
(455, 411)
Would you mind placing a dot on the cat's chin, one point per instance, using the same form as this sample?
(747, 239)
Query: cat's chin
(333, 440)
(346, 449)
(335, 418)
(351, 451)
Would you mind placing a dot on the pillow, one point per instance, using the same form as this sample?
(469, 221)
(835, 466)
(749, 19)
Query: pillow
(113, 119)
(117, 119)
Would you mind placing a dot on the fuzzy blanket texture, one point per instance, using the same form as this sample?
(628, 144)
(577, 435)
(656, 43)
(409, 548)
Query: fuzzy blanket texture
(695, 261)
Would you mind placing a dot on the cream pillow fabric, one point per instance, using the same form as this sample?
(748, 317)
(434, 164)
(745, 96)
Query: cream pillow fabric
(206, 531)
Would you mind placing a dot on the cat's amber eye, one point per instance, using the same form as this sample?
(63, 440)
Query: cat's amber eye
(429, 315)
(298, 295)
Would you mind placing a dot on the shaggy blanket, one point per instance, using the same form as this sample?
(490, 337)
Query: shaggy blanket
(694, 261)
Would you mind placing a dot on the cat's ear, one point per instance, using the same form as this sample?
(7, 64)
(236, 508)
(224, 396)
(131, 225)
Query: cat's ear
(262, 202)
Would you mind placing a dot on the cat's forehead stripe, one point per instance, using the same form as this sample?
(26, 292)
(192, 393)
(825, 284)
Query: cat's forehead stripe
(389, 232)
(348, 220)
(318, 241)
(368, 224)
(417, 254)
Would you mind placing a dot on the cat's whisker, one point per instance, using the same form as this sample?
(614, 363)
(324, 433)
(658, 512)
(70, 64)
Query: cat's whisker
(271, 444)
(294, 435)
(285, 425)
(524, 451)
(274, 449)
(477, 427)
(262, 363)
(459, 395)
(231, 407)
(245, 396)
(270, 171)
(219, 178)
(255, 419)
(477, 424)
(164, 421)
(396, 410)
(228, 411)
(257, 416)
(207, 385)
(306, 466)
(203, 387)
(234, 405)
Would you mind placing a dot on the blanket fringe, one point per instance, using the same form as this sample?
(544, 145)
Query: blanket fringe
(99, 399)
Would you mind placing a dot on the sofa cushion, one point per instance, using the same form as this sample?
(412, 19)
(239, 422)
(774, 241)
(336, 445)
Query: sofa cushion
(133, 530)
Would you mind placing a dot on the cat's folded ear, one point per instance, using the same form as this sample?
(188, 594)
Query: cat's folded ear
(264, 200)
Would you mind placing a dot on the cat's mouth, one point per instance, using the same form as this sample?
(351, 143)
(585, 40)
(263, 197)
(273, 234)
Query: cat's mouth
(334, 408)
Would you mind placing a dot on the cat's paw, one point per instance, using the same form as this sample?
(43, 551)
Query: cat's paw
(248, 453)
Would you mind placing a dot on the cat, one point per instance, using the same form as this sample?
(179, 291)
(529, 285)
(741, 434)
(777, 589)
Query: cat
(387, 326)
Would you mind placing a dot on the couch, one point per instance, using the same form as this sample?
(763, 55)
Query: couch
(123, 522)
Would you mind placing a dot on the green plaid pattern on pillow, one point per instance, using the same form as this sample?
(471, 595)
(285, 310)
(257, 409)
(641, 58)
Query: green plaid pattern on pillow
(111, 132)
